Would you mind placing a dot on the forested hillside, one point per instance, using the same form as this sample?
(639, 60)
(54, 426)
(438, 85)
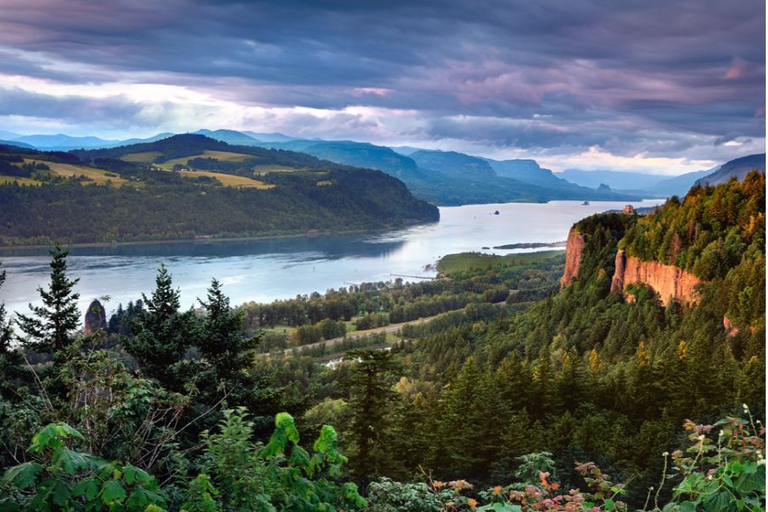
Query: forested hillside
(512, 397)
(190, 186)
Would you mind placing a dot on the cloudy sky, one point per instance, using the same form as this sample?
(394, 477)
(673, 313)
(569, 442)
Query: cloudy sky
(665, 86)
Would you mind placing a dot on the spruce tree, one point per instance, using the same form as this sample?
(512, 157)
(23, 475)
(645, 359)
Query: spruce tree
(371, 398)
(10, 358)
(221, 339)
(51, 326)
(6, 329)
(161, 334)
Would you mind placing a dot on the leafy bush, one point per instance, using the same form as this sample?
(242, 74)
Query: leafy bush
(725, 474)
(60, 478)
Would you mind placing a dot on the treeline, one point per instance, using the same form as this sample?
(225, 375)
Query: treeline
(708, 232)
(415, 300)
(179, 146)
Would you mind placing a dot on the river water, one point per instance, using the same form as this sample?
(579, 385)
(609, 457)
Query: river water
(265, 270)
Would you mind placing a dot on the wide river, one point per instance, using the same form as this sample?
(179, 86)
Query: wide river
(265, 270)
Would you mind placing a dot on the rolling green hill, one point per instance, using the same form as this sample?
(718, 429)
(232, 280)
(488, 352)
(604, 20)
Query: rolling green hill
(189, 186)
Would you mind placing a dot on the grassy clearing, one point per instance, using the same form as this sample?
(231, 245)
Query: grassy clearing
(467, 261)
(229, 180)
(145, 158)
(97, 176)
(266, 169)
(21, 181)
(282, 329)
(223, 156)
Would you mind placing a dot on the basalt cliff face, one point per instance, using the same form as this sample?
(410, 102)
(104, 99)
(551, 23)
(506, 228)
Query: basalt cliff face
(670, 282)
(573, 249)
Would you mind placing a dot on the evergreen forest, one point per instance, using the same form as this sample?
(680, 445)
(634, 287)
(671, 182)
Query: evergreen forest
(496, 390)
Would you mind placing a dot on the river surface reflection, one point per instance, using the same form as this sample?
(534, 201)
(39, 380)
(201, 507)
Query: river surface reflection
(265, 270)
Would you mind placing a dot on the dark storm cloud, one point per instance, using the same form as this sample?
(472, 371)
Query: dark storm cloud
(613, 68)
(17, 102)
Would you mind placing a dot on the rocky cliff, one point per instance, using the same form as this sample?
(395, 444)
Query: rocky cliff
(95, 318)
(573, 248)
(668, 281)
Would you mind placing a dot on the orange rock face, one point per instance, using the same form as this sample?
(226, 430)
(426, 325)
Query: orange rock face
(668, 281)
(573, 248)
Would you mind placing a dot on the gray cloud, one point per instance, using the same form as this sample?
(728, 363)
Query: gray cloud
(77, 109)
(537, 75)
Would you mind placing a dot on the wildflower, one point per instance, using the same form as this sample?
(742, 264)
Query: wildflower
(746, 408)
(497, 490)
(472, 502)
(460, 485)
(665, 454)
(702, 437)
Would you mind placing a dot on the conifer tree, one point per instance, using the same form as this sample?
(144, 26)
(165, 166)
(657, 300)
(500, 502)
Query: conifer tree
(161, 334)
(463, 434)
(10, 359)
(51, 326)
(221, 339)
(371, 397)
(6, 329)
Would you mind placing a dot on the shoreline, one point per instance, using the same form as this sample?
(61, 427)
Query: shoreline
(309, 233)
(207, 240)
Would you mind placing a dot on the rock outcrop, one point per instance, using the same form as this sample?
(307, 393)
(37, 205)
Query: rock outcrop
(668, 281)
(730, 329)
(573, 247)
(95, 318)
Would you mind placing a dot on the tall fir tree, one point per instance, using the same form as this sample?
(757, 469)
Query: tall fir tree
(221, 339)
(161, 333)
(6, 329)
(371, 399)
(10, 358)
(51, 326)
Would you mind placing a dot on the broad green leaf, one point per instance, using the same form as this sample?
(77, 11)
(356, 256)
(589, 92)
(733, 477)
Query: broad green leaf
(717, 502)
(112, 491)
(23, 475)
(687, 506)
(69, 460)
(59, 493)
(88, 488)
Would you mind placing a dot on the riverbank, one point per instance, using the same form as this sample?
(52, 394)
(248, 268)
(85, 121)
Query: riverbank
(5, 249)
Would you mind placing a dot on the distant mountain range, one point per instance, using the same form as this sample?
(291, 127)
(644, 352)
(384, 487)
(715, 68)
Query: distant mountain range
(738, 168)
(440, 177)
(653, 185)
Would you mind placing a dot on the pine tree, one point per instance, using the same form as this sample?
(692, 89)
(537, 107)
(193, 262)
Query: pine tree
(6, 329)
(10, 358)
(161, 334)
(371, 397)
(462, 434)
(221, 339)
(51, 325)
